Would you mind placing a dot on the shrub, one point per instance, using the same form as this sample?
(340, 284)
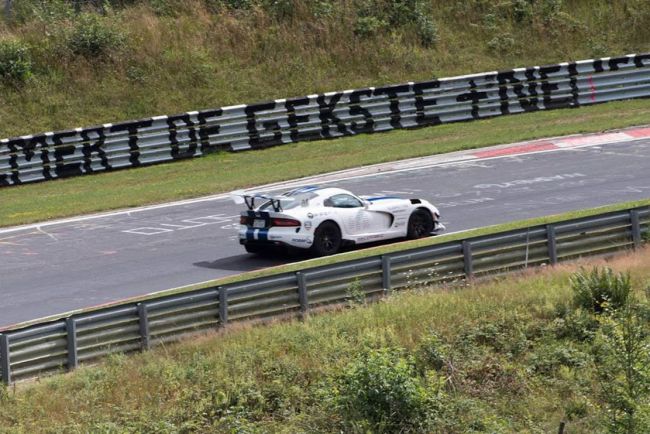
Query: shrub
(15, 62)
(230, 4)
(93, 36)
(427, 31)
(355, 293)
(622, 353)
(380, 391)
(547, 359)
(165, 8)
(369, 26)
(502, 44)
(600, 290)
(47, 11)
(432, 352)
(522, 11)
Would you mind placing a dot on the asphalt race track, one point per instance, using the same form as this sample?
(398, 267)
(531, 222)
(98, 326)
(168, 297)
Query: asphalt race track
(55, 268)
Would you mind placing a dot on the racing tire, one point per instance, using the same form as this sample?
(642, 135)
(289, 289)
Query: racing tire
(420, 224)
(327, 239)
(254, 249)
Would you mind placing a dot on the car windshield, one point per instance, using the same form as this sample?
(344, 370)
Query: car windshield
(291, 202)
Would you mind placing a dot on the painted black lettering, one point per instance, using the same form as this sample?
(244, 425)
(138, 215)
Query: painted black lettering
(93, 143)
(178, 122)
(255, 140)
(357, 109)
(474, 96)
(421, 103)
(393, 94)
(327, 116)
(132, 128)
(61, 150)
(294, 120)
(207, 131)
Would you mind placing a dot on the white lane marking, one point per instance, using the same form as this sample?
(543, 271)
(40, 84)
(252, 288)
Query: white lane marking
(148, 231)
(188, 224)
(464, 202)
(38, 228)
(520, 182)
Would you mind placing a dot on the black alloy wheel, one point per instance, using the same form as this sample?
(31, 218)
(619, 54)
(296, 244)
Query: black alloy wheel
(420, 224)
(327, 239)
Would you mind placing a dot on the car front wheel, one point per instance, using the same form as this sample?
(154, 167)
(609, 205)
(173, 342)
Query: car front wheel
(420, 224)
(327, 239)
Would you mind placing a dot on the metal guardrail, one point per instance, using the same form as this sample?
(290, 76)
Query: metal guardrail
(65, 343)
(328, 115)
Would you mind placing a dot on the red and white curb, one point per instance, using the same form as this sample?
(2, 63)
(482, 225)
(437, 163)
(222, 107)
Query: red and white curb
(568, 142)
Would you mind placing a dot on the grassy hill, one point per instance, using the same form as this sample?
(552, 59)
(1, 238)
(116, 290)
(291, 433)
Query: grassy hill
(516, 354)
(60, 68)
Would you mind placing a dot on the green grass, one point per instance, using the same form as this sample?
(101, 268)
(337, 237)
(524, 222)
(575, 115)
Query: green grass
(227, 171)
(507, 355)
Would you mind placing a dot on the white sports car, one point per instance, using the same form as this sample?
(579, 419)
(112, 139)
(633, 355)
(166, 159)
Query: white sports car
(322, 219)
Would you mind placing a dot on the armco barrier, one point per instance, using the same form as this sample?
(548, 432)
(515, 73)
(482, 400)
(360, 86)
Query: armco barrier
(335, 114)
(65, 343)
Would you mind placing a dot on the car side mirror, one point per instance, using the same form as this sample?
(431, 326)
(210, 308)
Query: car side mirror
(366, 204)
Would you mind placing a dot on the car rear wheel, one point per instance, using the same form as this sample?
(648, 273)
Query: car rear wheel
(420, 224)
(251, 248)
(327, 239)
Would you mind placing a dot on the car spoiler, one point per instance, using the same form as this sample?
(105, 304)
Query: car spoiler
(250, 199)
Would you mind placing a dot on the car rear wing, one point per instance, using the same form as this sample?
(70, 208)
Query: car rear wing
(251, 199)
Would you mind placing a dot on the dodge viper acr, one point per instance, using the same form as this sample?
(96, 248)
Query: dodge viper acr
(323, 219)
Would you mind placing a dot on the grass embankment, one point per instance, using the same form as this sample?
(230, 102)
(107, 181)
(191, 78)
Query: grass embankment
(147, 57)
(169, 56)
(509, 355)
(225, 172)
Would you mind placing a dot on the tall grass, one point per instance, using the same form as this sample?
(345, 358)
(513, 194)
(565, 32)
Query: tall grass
(169, 56)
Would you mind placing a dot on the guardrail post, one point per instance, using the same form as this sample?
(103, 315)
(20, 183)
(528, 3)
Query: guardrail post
(302, 292)
(550, 242)
(467, 259)
(223, 306)
(143, 316)
(71, 330)
(5, 362)
(636, 228)
(386, 274)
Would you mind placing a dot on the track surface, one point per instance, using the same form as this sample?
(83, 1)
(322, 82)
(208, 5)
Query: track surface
(53, 268)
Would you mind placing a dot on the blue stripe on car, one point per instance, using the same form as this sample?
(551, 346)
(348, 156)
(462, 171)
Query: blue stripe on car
(372, 199)
(250, 234)
(263, 235)
(306, 189)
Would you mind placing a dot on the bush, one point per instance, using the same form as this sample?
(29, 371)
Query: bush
(369, 26)
(15, 62)
(375, 16)
(93, 36)
(622, 354)
(427, 31)
(503, 44)
(600, 290)
(380, 391)
(432, 352)
(46, 11)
